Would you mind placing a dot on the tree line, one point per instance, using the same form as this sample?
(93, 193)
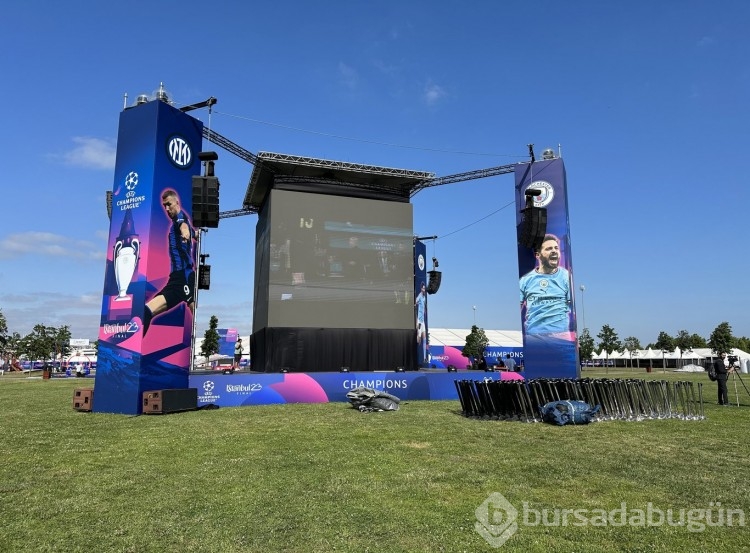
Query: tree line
(43, 343)
(721, 341)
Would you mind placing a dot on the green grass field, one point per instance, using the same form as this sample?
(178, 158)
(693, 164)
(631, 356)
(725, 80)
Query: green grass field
(321, 478)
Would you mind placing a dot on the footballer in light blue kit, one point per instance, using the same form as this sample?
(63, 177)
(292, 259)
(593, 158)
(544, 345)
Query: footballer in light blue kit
(545, 291)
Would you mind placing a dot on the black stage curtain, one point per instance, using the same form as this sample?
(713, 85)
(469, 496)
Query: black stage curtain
(329, 349)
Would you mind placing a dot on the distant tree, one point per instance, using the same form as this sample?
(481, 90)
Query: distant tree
(39, 344)
(12, 346)
(608, 341)
(721, 340)
(476, 343)
(698, 341)
(742, 343)
(585, 345)
(664, 342)
(61, 340)
(210, 344)
(3, 329)
(683, 340)
(632, 344)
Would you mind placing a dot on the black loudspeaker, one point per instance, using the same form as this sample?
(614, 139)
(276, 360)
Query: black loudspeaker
(212, 202)
(533, 227)
(434, 282)
(109, 204)
(159, 402)
(205, 202)
(204, 277)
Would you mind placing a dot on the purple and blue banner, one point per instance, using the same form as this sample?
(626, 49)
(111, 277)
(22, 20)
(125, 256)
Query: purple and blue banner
(227, 340)
(420, 303)
(145, 331)
(546, 287)
(443, 356)
(238, 389)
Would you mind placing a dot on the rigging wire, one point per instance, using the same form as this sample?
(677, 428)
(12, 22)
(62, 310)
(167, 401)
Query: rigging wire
(434, 242)
(479, 220)
(363, 140)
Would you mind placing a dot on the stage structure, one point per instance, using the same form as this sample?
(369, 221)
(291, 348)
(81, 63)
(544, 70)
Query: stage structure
(146, 322)
(338, 271)
(541, 198)
(334, 266)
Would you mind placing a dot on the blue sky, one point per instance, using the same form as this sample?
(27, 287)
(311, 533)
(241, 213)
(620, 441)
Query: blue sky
(648, 102)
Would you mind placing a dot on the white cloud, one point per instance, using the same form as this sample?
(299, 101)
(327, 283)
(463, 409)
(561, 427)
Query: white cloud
(433, 93)
(348, 75)
(47, 244)
(93, 153)
(705, 41)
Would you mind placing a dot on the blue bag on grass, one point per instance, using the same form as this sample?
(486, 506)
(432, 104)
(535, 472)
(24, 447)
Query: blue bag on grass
(568, 412)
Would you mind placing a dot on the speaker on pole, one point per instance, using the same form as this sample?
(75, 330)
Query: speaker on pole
(199, 201)
(204, 277)
(212, 202)
(434, 282)
(205, 202)
(533, 227)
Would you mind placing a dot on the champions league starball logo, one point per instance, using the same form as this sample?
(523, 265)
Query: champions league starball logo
(547, 193)
(131, 181)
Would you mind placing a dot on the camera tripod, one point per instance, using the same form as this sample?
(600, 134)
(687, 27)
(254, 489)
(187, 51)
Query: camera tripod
(736, 376)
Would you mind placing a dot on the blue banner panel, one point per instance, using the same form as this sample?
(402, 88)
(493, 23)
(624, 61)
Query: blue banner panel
(420, 303)
(442, 356)
(227, 340)
(546, 276)
(234, 390)
(145, 330)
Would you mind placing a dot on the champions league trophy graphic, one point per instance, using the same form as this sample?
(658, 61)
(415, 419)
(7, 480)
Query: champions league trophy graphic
(126, 254)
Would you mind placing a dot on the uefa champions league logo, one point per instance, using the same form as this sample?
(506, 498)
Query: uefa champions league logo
(208, 386)
(131, 181)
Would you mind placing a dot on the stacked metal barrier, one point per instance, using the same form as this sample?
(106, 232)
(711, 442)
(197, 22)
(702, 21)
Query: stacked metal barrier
(619, 399)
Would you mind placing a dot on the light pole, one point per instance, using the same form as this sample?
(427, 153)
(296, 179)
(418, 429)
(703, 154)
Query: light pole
(475, 315)
(582, 288)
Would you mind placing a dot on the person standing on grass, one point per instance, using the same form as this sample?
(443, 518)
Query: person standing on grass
(722, 368)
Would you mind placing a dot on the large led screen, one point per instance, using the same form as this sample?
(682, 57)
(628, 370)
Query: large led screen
(334, 262)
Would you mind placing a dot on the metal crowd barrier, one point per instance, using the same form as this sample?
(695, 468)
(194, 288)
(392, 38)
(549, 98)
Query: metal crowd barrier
(619, 399)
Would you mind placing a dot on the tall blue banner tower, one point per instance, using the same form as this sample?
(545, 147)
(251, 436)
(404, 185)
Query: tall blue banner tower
(550, 344)
(420, 304)
(145, 333)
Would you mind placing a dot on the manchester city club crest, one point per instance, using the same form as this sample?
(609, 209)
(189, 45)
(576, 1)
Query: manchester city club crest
(547, 193)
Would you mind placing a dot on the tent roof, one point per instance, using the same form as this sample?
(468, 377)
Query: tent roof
(457, 337)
